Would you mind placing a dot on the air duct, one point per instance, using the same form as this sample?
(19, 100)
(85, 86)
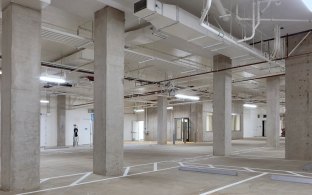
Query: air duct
(180, 23)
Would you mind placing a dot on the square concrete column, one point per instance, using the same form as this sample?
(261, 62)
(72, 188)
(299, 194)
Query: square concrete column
(162, 120)
(21, 52)
(222, 106)
(61, 120)
(273, 112)
(109, 92)
(197, 123)
(298, 123)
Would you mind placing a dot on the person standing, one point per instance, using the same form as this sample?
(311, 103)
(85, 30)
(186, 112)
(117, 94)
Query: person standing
(75, 137)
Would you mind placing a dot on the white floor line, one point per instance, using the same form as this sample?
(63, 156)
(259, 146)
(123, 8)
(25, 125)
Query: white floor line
(155, 166)
(126, 171)
(296, 174)
(81, 179)
(44, 180)
(62, 176)
(233, 184)
(249, 169)
(181, 164)
(95, 181)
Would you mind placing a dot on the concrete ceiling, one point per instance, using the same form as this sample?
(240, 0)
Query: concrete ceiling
(165, 58)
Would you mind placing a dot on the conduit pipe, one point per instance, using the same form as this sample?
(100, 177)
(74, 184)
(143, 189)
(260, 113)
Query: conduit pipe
(232, 40)
(221, 10)
(255, 16)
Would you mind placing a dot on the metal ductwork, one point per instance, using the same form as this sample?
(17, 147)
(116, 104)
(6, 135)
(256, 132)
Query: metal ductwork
(177, 22)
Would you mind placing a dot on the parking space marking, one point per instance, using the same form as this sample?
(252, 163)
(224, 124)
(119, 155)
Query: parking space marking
(126, 171)
(81, 179)
(155, 166)
(233, 184)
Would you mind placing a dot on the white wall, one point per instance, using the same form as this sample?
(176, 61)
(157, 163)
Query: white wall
(251, 123)
(48, 124)
(80, 117)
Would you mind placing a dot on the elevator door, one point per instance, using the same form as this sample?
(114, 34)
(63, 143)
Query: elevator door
(182, 129)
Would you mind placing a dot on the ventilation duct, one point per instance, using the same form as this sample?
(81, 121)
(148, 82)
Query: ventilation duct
(177, 22)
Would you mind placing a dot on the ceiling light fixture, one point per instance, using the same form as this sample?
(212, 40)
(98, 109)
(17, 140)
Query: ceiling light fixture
(170, 108)
(250, 106)
(308, 4)
(44, 101)
(138, 110)
(52, 79)
(187, 97)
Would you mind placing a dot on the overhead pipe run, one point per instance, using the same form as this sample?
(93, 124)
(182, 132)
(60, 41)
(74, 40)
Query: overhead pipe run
(231, 40)
(255, 17)
(269, 2)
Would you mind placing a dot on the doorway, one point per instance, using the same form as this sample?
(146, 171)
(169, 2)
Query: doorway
(182, 129)
(263, 128)
(138, 131)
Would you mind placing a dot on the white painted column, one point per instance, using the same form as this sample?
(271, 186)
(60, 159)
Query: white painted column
(162, 120)
(61, 120)
(21, 52)
(298, 123)
(273, 112)
(109, 92)
(222, 106)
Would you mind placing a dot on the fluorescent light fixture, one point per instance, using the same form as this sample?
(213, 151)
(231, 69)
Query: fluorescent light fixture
(170, 108)
(234, 114)
(44, 101)
(187, 97)
(250, 106)
(138, 110)
(0, 71)
(308, 4)
(52, 79)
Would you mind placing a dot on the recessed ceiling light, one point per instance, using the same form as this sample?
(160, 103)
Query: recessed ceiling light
(308, 4)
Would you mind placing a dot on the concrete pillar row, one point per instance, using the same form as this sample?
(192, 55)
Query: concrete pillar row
(61, 120)
(162, 120)
(109, 92)
(222, 106)
(273, 112)
(20, 140)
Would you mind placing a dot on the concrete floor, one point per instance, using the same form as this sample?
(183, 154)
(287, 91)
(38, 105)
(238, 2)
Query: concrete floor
(153, 169)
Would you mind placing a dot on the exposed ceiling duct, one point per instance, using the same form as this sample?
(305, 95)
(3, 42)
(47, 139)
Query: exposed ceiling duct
(178, 22)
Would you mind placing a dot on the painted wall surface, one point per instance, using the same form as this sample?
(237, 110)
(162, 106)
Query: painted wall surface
(237, 108)
(80, 117)
(251, 123)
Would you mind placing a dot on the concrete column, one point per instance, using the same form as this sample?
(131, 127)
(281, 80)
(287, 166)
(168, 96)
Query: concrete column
(222, 106)
(273, 112)
(109, 92)
(299, 108)
(61, 120)
(197, 122)
(162, 120)
(21, 52)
